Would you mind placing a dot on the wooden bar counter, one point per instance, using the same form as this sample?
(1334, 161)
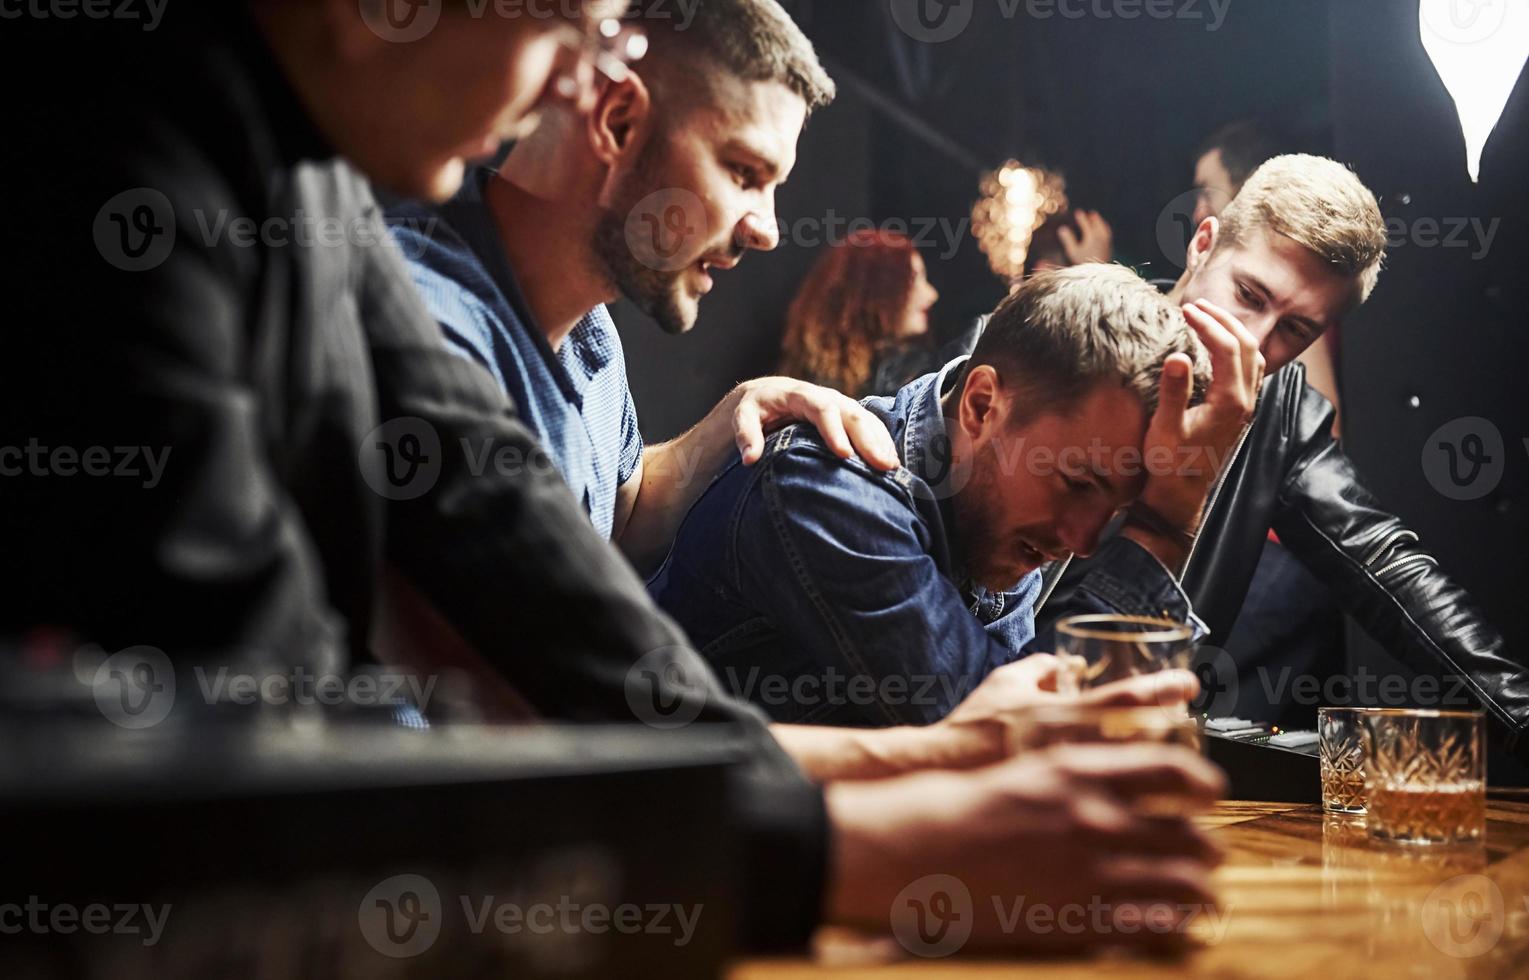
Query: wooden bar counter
(1303, 895)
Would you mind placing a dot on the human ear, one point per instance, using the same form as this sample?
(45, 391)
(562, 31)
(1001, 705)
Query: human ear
(1203, 243)
(980, 398)
(621, 109)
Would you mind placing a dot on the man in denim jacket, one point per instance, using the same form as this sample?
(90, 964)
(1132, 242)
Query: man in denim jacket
(829, 593)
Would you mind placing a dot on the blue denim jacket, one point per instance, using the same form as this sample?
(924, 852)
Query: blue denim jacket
(828, 593)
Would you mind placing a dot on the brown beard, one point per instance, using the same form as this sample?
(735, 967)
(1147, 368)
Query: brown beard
(973, 510)
(654, 291)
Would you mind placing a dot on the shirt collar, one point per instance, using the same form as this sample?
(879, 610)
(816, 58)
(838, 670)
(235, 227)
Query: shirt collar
(587, 344)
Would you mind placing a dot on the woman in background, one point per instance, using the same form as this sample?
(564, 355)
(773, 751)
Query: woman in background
(861, 320)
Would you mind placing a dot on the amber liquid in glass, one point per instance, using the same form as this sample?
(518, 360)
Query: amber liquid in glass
(1441, 813)
(1343, 790)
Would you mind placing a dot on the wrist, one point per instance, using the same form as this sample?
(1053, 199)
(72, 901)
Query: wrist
(948, 744)
(944, 745)
(1182, 513)
(1165, 549)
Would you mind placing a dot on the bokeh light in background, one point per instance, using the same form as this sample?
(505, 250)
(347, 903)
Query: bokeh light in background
(1016, 200)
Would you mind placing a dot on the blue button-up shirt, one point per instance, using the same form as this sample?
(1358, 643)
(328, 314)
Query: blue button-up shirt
(576, 398)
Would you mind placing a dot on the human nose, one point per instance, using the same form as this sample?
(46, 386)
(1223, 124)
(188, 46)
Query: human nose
(759, 229)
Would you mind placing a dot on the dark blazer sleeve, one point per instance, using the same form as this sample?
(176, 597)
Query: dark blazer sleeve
(189, 540)
(1383, 576)
(512, 560)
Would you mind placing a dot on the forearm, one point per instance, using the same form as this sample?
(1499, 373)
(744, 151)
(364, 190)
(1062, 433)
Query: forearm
(674, 474)
(831, 754)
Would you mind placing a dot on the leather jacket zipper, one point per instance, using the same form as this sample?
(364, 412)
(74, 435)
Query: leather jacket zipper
(1056, 580)
(1410, 559)
(1391, 541)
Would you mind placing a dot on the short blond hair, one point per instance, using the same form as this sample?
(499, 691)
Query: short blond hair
(1320, 205)
(1062, 333)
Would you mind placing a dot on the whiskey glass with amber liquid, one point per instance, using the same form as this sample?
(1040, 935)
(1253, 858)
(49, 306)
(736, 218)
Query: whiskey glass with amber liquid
(1340, 756)
(1425, 775)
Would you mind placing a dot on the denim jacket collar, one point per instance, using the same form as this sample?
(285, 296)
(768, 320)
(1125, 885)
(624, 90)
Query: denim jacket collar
(925, 439)
(916, 419)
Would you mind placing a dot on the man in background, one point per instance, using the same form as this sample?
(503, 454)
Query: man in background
(1298, 249)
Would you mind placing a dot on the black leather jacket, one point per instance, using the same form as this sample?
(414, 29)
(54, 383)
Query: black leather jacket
(1290, 474)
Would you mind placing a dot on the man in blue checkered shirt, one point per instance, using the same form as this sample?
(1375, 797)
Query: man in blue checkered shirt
(518, 266)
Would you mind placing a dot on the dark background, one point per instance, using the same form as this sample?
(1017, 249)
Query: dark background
(1119, 106)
